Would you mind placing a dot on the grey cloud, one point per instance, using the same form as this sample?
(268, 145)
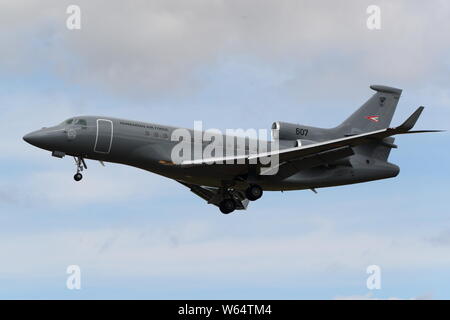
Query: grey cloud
(442, 239)
(108, 243)
(159, 46)
(7, 197)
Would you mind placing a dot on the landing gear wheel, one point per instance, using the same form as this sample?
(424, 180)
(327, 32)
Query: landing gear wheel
(79, 162)
(227, 206)
(254, 192)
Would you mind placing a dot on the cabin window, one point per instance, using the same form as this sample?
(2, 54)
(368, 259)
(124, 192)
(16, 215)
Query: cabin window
(69, 121)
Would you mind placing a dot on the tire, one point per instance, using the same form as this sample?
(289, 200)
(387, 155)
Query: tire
(78, 177)
(227, 206)
(254, 192)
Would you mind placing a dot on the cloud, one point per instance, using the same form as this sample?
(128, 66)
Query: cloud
(54, 188)
(442, 239)
(29, 112)
(200, 250)
(160, 46)
(7, 196)
(245, 58)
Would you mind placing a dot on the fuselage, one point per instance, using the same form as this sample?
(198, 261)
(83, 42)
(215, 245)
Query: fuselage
(150, 147)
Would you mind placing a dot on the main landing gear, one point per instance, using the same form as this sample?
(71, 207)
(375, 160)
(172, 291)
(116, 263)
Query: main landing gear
(79, 162)
(228, 204)
(253, 192)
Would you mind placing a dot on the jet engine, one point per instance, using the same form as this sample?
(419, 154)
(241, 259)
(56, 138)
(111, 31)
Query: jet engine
(303, 135)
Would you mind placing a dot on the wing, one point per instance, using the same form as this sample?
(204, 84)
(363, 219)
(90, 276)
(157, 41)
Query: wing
(215, 195)
(291, 154)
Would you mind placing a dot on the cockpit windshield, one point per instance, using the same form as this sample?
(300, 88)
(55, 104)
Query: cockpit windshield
(81, 122)
(75, 121)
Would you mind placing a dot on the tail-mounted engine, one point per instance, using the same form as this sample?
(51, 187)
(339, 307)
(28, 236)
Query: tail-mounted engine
(298, 134)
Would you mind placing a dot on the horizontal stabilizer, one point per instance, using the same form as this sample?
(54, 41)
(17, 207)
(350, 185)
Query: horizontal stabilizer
(421, 131)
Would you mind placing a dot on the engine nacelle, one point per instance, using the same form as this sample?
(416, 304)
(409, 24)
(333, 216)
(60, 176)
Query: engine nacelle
(283, 143)
(303, 142)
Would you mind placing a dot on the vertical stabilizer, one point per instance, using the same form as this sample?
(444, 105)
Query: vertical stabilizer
(375, 114)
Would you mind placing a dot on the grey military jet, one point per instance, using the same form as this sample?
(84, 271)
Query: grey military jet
(355, 151)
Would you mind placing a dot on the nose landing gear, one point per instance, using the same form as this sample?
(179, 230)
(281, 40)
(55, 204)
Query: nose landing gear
(79, 162)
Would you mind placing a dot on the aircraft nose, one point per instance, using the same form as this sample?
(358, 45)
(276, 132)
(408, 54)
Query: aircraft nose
(42, 139)
(32, 138)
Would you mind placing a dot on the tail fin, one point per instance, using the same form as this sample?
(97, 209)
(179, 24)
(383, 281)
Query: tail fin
(375, 114)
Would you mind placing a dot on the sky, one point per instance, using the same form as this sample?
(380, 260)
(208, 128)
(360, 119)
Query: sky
(230, 64)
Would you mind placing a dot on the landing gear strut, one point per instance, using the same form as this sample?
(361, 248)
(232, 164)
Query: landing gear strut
(254, 192)
(79, 162)
(227, 206)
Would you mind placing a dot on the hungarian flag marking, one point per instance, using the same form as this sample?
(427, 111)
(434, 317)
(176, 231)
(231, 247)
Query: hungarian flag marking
(374, 118)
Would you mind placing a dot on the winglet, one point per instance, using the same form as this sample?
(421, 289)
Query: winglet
(411, 121)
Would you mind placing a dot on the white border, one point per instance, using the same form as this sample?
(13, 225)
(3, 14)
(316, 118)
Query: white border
(110, 142)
